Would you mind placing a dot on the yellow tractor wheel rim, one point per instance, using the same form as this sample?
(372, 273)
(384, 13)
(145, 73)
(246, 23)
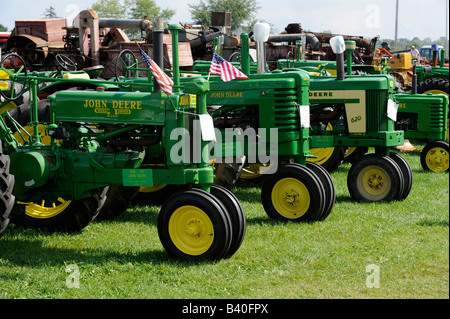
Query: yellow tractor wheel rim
(437, 159)
(290, 198)
(8, 107)
(191, 230)
(435, 92)
(374, 182)
(45, 138)
(43, 211)
(350, 151)
(151, 189)
(252, 171)
(322, 154)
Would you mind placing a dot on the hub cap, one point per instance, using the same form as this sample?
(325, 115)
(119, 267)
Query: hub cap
(290, 198)
(191, 230)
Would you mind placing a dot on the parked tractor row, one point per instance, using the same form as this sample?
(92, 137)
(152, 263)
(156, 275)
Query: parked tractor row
(85, 148)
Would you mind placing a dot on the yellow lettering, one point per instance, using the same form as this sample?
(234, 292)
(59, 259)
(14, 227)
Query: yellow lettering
(139, 105)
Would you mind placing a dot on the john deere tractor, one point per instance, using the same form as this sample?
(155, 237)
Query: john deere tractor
(100, 140)
(356, 111)
(264, 120)
(422, 113)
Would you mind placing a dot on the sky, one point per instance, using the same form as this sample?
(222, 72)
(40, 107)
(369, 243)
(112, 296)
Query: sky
(368, 18)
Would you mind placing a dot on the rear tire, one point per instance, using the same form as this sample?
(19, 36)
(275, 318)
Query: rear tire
(6, 186)
(328, 157)
(69, 216)
(117, 202)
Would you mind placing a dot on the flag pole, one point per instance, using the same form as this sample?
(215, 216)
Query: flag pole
(215, 48)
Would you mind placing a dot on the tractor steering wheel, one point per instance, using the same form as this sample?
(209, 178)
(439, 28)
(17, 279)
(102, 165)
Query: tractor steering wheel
(65, 62)
(126, 67)
(12, 65)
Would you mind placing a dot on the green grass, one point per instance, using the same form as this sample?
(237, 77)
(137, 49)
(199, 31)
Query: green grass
(408, 241)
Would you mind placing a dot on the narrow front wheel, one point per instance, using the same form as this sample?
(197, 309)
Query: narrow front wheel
(193, 226)
(293, 193)
(375, 178)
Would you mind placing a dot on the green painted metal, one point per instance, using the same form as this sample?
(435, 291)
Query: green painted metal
(423, 116)
(83, 158)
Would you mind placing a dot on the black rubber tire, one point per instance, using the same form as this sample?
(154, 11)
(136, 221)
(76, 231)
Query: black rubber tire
(438, 163)
(74, 218)
(214, 210)
(328, 184)
(384, 169)
(18, 89)
(433, 84)
(249, 178)
(22, 114)
(157, 197)
(355, 154)
(227, 174)
(118, 199)
(305, 178)
(407, 174)
(333, 161)
(236, 215)
(6, 187)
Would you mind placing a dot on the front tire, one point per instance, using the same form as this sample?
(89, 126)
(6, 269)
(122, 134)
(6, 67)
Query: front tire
(193, 226)
(293, 193)
(435, 157)
(375, 178)
(235, 213)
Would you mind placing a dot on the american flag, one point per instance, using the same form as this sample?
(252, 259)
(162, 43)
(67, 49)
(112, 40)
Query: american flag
(225, 69)
(163, 80)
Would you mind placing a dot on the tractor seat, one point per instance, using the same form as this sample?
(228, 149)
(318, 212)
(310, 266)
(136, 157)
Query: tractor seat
(75, 75)
(94, 71)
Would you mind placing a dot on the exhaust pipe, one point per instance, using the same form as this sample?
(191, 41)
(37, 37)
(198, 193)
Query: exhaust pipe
(158, 51)
(338, 46)
(261, 35)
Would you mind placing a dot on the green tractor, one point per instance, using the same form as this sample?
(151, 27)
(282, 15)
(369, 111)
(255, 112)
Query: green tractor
(106, 142)
(356, 112)
(356, 107)
(421, 114)
(261, 121)
(433, 78)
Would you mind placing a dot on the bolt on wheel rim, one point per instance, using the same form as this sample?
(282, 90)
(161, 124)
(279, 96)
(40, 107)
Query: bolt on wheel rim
(437, 159)
(290, 198)
(191, 230)
(374, 182)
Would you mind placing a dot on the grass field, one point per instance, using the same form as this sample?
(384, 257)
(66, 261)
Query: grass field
(405, 244)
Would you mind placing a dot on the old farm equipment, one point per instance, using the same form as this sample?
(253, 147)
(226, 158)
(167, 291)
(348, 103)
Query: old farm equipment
(98, 141)
(266, 117)
(354, 111)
